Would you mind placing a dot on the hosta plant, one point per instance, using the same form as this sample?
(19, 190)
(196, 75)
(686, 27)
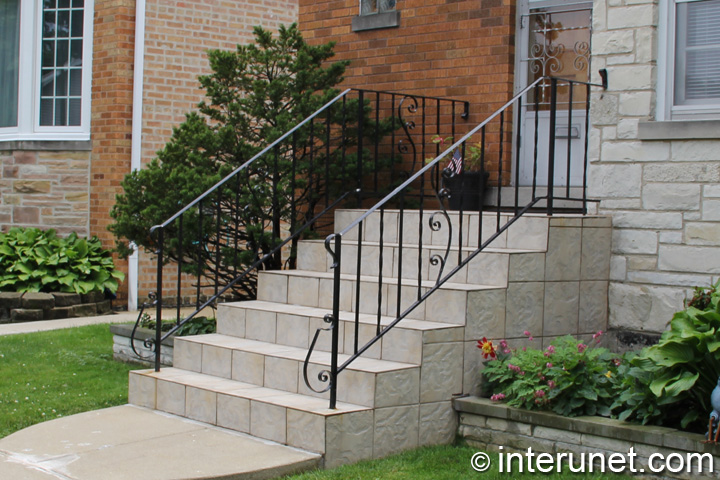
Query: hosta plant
(568, 377)
(671, 382)
(33, 260)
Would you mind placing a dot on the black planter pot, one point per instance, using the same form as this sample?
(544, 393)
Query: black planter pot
(468, 190)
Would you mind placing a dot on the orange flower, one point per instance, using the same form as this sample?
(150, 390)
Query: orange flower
(487, 348)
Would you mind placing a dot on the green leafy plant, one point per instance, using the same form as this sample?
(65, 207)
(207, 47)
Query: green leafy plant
(569, 377)
(671, 382)
(254, 95)
(32, 260)
(194, 326)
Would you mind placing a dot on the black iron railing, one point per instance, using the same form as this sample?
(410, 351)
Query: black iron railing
(507, 148)
(354, 148)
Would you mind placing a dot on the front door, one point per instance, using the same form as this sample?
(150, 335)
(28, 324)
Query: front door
(553, 40)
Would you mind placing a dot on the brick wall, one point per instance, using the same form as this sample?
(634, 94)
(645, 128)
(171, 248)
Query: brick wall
(452, 48)
(111, 123)
(177, 36)
(663, 192)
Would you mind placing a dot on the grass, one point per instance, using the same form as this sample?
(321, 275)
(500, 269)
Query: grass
(53, 374)
(433, 463)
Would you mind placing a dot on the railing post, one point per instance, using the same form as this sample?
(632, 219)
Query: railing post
(551, 147)
(336, 323)
(158, 306)
(360, 121)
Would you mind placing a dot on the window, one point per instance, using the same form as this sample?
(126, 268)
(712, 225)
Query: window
(45, 55)
(689, 86)
(376, 14)
(368, 7)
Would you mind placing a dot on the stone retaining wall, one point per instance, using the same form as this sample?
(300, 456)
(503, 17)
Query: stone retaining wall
(488, 426)
(123, 352)
(18, 307)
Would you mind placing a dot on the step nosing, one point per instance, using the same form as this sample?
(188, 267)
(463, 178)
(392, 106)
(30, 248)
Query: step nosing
(317, 312)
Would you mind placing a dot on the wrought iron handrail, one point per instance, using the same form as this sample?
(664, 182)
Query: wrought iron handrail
(216, 207)
(334, 242)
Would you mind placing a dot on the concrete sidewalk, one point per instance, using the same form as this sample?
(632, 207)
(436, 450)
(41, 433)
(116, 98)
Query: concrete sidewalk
(45, 325)
(115, 317)
(133, 443)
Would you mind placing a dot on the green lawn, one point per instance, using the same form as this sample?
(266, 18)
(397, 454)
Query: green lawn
(52, 374)
(432, 463)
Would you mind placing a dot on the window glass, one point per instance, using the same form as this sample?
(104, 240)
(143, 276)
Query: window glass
(9, 61)
(697, 53)
(61, 75)
(368, 7)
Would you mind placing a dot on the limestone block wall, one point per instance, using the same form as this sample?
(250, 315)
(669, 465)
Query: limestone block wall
(45, 189)
(658, 180)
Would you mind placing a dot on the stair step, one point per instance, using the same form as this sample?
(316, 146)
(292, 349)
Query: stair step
(489, 267)
(368, 382)
(295, 325)
(529, 231)
(312, 289)
(284, 417)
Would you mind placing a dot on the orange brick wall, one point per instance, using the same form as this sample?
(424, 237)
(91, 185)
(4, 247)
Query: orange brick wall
(111, 122)
(177, 36)
(462, 49)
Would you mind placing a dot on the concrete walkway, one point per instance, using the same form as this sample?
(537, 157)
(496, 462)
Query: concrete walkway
(45, 325)
(133, 443)
(130, 442)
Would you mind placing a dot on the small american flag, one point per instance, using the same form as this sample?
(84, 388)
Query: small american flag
(455, 164)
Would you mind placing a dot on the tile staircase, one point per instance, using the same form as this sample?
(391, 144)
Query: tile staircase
(249, 376)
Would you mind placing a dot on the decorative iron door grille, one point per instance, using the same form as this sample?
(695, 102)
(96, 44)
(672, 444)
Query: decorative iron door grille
(555, 41)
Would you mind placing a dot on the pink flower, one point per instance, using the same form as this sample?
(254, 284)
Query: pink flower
(503, 344)
(551, 384)
(549, 351)
(497, 397)
(617, 362)
(596, 336)
(527, 334)
(581, 347)
(548, 365)
(522, 374)
(524, 349)
(539, 393)
(514, 368)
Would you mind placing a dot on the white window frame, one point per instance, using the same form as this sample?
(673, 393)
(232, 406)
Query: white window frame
(28, 125)
(374, 13)
(666, 109)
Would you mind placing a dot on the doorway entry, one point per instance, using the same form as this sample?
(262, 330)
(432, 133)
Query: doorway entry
(553, 39)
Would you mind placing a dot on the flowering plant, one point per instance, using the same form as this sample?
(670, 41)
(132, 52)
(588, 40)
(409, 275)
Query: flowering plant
(568, 377)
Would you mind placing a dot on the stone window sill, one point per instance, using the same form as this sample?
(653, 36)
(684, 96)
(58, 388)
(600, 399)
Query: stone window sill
(376, 21)
(679, 130)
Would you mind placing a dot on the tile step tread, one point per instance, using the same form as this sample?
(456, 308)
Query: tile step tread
(363, 364)
(364, 318)
(250, 391)
(386, 280)
(453, 248)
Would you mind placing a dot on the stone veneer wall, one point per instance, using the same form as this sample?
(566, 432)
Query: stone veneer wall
(661, 188)
(45, 189)
(487, 426)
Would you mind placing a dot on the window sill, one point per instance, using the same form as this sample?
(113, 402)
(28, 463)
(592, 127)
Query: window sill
(679, 130)
(47, 145)
(376, 21)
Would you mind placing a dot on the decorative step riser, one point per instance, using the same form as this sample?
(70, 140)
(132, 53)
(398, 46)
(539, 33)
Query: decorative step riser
(445, 305)
(343, 438)
(262, 419)
(529, 232)
(398, 345)
(487, 268)
(369, 389)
